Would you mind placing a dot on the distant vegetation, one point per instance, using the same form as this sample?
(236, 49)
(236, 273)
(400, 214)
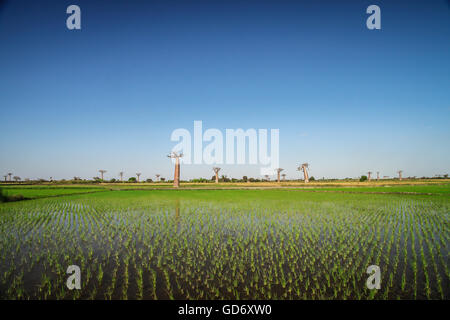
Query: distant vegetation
(222, 179)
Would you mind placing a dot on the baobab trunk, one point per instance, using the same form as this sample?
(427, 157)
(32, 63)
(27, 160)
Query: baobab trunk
(278, 174)
(216, 172)
(176, 178)
(305, 173)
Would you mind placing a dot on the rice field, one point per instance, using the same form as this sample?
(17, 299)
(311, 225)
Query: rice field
(45, 192)
(225, 244)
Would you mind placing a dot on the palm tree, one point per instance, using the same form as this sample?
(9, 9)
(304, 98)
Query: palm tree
(101, 173)
(138, 174)
(16, 178)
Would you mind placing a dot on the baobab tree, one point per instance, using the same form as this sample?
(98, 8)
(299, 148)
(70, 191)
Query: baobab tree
(5, 176)
(101, 173)
(176, 176)
(9, 174)
(267, 177)
(157, 177)
(278, 174)
(368, 175)
(138, 175)
(16, 178)
(121, 176)
(304, 167)
(216, 172)
(400, 174)
(378, 175)
(284, 176)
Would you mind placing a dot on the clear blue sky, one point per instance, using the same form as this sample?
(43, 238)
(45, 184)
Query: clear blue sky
(346, 99)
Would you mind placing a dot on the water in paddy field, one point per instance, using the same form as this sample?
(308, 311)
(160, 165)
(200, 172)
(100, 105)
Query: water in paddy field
(186, 249)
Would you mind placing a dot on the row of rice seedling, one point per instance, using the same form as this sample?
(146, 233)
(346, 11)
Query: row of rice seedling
(136, 248)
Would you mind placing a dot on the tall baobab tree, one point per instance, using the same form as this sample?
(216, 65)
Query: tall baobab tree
(5, 176)
(369, 175)
(176, 176)
(138, 175)
(216, 172)
(400, 174)
(304, 167)
(378, 175)
(101, 173)
(284, 176)
(267, 177)
(278, 174)
(121, 176)
(157, 177)
(9, 174)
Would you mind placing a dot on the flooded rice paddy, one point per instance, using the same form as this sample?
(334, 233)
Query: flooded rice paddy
(300, 246)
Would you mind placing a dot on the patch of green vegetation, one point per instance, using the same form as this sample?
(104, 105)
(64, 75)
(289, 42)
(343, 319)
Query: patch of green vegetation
(225, 244)
(10, 198)
(428, 189)
(34, 192)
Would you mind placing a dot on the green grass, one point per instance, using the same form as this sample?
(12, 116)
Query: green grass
(34, 192)
(434, 189)
(225, 244)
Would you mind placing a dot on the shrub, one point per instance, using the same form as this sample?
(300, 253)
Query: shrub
(363, 178)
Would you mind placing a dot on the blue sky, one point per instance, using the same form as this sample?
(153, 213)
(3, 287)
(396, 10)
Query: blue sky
(345, 99)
